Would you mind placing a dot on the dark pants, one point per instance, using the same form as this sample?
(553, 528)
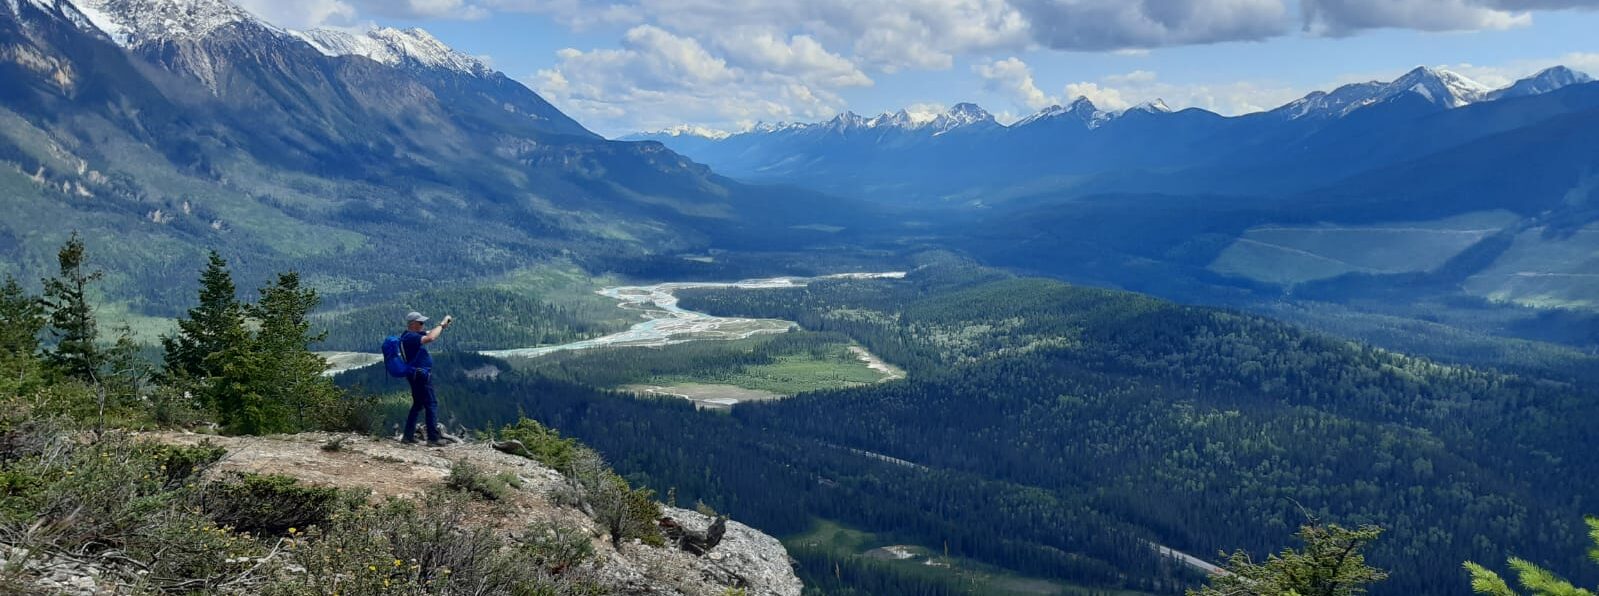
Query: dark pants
(422, 399)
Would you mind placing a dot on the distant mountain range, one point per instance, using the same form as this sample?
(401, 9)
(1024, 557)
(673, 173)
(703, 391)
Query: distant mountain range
(1428, 187)
(906, 157)
(160, 128)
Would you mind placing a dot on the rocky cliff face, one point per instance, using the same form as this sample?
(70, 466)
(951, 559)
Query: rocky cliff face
(743, 559)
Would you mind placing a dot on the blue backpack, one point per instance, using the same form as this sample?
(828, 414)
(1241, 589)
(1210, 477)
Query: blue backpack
(394, 359)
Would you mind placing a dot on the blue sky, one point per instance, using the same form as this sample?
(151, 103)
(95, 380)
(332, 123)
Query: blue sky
(622, 66)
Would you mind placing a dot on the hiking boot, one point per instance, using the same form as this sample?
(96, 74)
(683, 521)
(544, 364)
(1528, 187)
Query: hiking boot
(409, 441)
(438, 443)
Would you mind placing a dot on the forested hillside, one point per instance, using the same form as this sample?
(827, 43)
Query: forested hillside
(1054, 429)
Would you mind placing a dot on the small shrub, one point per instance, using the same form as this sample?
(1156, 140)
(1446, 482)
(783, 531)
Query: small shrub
(425, 547)
(270, 504)
(705, 510)
(510, 479)
(182, 549)
(624, 512)
(334, 444)
(470, 479)
(544, 444)
(182, 462)
(557, 548)
(352, 413)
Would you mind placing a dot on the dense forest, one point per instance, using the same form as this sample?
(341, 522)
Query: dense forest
(493, 318)
(1056, 430)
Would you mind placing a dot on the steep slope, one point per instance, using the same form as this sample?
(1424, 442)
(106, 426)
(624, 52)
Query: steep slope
(163, 127)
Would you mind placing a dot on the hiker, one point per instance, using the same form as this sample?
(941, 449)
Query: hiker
(413, 348)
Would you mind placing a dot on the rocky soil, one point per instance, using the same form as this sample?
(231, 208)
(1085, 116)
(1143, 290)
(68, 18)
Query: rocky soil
(745, 559)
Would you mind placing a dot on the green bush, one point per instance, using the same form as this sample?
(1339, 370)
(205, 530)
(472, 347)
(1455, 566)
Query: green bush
(184, 551)
(557, 548)
(270, 504)
(182, 462)
(470, 479)
(426, 547)
(544, 444)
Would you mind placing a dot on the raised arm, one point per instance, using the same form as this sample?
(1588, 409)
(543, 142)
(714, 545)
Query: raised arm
(433, 335)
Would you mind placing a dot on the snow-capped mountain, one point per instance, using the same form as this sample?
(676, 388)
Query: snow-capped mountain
(1080, 110)
(1153, 106)
(394, 47)
(1441, 88)
(1546, 80)
(134, 23)
(686, 130)
(963, 115)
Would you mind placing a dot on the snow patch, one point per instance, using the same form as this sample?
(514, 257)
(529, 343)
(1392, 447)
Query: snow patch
(394, 47)
(138, 22)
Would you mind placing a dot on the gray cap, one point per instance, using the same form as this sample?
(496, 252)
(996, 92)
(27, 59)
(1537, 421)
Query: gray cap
(416, 317)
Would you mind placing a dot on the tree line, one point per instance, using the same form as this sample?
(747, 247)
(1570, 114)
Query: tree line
(247, 367)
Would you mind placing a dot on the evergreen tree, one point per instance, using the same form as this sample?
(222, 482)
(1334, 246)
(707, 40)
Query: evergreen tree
(1332, 563)
(217, 320)
(285, 335)
(270, 381)
(126, 371)
(1539, 581)
(21, 320)
(71, 317)
(238, 392)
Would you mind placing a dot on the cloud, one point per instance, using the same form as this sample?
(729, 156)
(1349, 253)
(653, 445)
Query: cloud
(1012, 77)
(658, 79)
(1336, 18)
(1098, 25)
(305, 14)
(302, 13)
(1502, 75)
(1103, 98)
(800, 56)
(1116, 92)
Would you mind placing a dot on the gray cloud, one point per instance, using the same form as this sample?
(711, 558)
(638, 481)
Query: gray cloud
(1335, 18)
(1120, 24)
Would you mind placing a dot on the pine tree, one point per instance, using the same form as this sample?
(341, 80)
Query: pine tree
(1539, 581)
(285, 333)
(1331, 564)
(21, 320)
(271, 381)
(72, 323)
(217, 320)
(126, 371)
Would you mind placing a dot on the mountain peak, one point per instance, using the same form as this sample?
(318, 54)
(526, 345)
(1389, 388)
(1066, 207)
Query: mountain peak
(961, 115)
(687, 130)
(1544, 81)
(134, 23)
(1080, 109)
(1442, 87)
(394, 47)
(1154, 106)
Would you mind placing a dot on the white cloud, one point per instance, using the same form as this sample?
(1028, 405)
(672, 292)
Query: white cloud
(1336, 18)
(1104, 98)
(1012, 77)
(800, 56)
(658, 79)
(1116, 92)
(1504, 74)
(302, 13)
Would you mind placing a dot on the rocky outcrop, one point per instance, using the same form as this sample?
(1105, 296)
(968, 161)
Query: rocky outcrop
(744, 558)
